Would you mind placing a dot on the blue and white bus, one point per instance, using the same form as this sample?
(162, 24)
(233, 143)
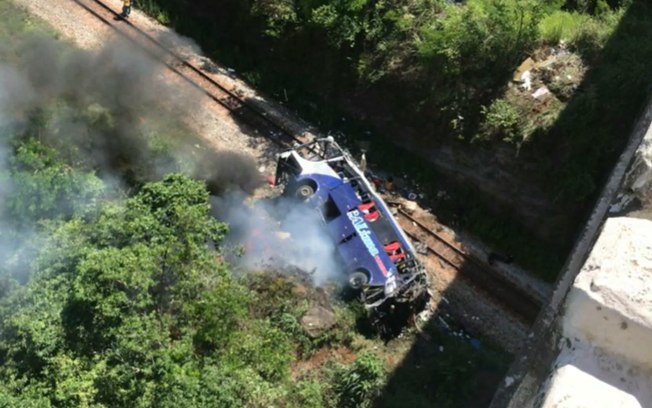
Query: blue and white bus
(376, 253)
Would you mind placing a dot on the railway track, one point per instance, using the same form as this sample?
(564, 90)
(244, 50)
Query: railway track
(473, 271)
(226, 97)
(476, 273)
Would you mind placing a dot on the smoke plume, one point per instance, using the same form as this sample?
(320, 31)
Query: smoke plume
(94, 108)
(91, 107)
(102, 99)
(278, 233)
(227, 171)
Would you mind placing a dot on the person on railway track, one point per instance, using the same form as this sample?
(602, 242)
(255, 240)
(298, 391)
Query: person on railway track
(126, 8)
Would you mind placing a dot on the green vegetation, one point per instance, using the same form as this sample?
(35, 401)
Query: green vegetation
(114, 291)
(440, 61)
(442, 69)
(357, 383)
(125, 304)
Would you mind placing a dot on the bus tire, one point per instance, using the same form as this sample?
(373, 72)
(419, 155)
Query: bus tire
(358, 279)
(304, 191)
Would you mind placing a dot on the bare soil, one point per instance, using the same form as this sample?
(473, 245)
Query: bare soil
(212, 122)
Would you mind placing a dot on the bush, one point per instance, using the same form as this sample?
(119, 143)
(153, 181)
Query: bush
(45, 187)
(480, 39)
(501, 121)
(590, 36)
(595, 7)
(308, 394)
(356, 385)
(278, 15)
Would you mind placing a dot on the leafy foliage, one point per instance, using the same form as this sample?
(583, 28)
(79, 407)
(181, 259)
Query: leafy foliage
(432, 65)
(500, 119)
(357, 384)
(126, 301)
(134, 302)
(278, 14)
(42, 186)
(130, 306)
(484, 35)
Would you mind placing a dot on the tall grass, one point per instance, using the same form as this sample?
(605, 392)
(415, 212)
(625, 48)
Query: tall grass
(584, 32)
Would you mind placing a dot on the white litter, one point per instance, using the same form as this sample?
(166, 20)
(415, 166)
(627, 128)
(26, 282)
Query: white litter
(443, 322)
(543, 90)
(527, 80)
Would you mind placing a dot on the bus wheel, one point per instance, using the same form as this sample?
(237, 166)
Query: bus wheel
(305, 191)
(358, 279)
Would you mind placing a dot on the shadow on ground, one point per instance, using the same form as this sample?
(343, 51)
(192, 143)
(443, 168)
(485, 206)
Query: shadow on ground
(443, 369)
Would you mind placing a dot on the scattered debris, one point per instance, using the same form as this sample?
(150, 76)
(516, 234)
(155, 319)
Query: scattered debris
(495, 256)
(409, 206)
(363, 162)
(526, 80)
(410, 195)
(543, 90)
(389, 184)
(443, 323)
(271, 180)
(508, 381)
(426, 314)
(525, 66)
(561, 74)
(421, 248)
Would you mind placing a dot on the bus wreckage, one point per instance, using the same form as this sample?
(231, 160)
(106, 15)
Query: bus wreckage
(378, 258)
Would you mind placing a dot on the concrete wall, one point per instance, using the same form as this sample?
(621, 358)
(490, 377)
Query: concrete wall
(606, 345)
(546, 370)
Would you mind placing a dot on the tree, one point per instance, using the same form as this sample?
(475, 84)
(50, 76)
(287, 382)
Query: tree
(132, 304)
(42, 186)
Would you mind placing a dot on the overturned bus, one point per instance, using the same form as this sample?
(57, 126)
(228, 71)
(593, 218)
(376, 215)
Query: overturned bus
(376, 253)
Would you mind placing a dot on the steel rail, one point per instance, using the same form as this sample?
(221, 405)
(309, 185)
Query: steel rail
(231, 101)
(515, 298)
(234, 102)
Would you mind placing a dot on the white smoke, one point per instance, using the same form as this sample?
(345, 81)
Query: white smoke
(277, 234)
(94, 103)
(91, 103)
(16, 98)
